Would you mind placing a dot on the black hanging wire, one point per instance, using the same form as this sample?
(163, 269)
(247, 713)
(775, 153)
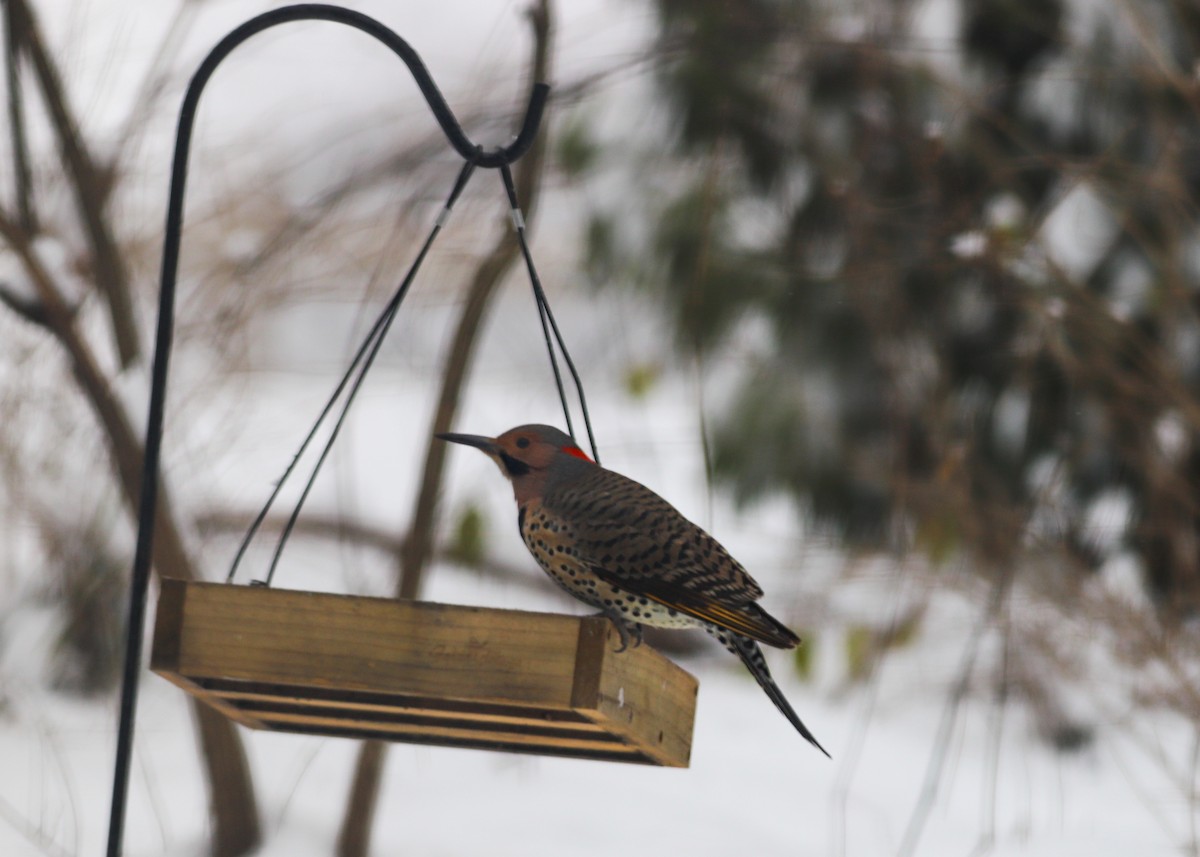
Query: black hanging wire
(547, 319)
(363, 359)
(365, 356)
(164, 335)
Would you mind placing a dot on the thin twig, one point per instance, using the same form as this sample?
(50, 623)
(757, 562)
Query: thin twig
(154, 83)
(937, 759)
(987, 840)
(156, 805)
(300, 223)
(851, 753)
(108, 265)
(31, 834)
(64, 773)
(1148, 797)
(705, 437)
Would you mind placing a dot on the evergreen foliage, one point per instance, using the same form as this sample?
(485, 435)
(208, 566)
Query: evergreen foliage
(973, 264)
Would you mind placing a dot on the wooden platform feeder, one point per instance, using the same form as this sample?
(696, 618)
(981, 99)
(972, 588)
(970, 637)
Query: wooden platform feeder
(423, 673)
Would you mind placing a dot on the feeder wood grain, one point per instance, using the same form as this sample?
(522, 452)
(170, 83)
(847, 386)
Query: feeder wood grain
(425, 673)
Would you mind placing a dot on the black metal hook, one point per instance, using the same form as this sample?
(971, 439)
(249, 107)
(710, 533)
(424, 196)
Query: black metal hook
(471, 152)
(433, 96)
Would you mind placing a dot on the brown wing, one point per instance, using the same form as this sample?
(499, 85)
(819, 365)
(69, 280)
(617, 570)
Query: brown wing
(637, 541)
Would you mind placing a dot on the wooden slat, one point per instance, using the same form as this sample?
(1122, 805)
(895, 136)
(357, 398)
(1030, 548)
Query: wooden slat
(530, 682)
(249, 702)
(439, 730)
(611, 752)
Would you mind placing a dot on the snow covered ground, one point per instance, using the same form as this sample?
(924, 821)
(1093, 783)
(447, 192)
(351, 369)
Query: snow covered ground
(754, 787)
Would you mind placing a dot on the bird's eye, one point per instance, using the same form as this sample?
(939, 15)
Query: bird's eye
(522, 442)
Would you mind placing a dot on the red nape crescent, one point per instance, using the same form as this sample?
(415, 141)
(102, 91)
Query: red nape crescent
(576, 451)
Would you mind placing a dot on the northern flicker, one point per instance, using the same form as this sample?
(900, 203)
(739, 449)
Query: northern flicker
(616, 545)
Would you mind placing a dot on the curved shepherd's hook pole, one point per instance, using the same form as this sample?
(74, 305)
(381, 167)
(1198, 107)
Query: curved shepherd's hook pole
(495, 158)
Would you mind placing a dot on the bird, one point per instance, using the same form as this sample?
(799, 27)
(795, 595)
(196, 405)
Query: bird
(614, 544)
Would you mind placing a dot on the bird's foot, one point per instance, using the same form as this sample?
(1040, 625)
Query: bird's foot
(627, 630)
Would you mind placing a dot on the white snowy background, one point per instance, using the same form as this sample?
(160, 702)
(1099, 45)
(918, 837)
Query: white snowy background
(303, 102)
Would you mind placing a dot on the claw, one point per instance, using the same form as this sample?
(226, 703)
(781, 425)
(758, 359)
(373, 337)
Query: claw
(624, 639)
(627, 630)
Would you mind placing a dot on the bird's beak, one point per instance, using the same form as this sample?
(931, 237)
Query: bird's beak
(487, 444)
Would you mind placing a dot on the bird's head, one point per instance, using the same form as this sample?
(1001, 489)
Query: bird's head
(526, 454)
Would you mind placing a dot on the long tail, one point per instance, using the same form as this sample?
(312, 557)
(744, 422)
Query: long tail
(752, 657)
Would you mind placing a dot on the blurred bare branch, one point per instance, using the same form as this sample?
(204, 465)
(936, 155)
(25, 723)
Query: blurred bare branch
(415, 553)
(231, 792)
(954, 700)
(341, 529)
(89, 184)
(159, 73)
(14, 35)
(23, 306)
